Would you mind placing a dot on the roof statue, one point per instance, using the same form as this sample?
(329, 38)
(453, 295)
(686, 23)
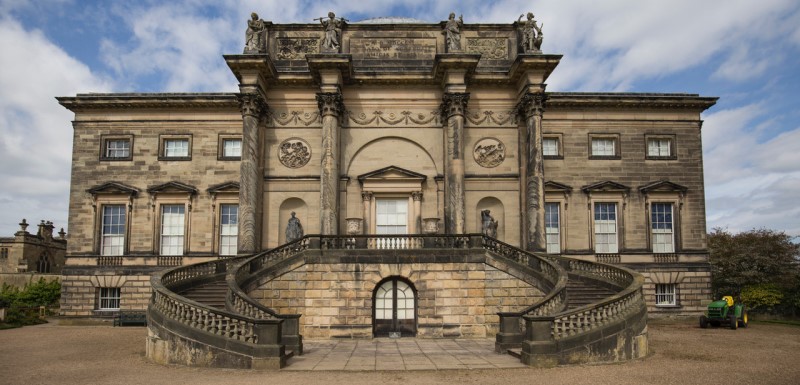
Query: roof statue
(333, 31)
(452, 32)
(531, 34)
(254, 36)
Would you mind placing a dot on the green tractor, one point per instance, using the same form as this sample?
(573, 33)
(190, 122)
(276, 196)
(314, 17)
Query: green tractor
(725, 312)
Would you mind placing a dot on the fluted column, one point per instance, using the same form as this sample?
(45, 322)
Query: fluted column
(453, 106)
(330, 108)
(366, 197)
(531, 106)
(254, 107)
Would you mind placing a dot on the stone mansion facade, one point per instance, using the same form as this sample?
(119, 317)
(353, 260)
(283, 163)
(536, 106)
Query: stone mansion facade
(385, 127)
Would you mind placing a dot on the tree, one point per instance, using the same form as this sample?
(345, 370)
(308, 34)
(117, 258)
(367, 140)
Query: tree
(752, 261)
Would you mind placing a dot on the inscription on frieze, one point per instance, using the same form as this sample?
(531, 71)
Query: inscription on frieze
(393, 48)
(489, 48)
(296, 48)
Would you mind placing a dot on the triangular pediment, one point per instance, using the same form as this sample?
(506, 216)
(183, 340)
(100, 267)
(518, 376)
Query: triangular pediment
(391, 173)
(230, 187)
(662, 186)
(605, 186)
(555, 186)
(172, 187)
(113, 188)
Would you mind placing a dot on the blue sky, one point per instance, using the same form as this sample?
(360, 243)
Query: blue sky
(745, 52)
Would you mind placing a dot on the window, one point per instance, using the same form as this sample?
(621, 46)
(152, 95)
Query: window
(112, 240)
(391, 216)
(175, 147)
(551, 146)
(231, 148)
(660, 147)
(229, 229)
(665, 294)
(661, 225)
(552, 227)
(116, 148)
(43, 264)
(605, 228)
(108, 298)
(172, 229)
(4, 253)
(603, 147)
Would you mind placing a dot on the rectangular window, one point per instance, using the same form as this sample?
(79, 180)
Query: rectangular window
(605, 228)
(659, 147)
(391, 216)
(228, 229)
(552, 226)
(4, 253)
(603, 147)
(665, 294)
(231, 148)
(550, 147)
(112, 240)
(176, 148)
(108, 298)
(661, 225)
(118, 148)
(172, 229)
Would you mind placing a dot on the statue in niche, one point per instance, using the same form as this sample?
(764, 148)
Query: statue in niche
(531, 34)
(488, 224)
(452, 32)
(254, 36)
(333, 31)
(294, 229)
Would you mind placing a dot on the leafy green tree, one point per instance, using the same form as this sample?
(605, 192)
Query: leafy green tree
(755, 264)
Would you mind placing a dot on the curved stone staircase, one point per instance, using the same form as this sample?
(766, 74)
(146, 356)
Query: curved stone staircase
(201, 315)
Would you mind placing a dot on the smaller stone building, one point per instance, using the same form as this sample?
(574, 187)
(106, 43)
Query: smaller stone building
(34, 253)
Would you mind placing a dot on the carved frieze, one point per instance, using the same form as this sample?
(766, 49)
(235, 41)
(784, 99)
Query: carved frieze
(392, 118)
(489, 152)
(489, 48)
(292, 118)
(296, 48)
(399, 48)
(493, 118)
(294, 152)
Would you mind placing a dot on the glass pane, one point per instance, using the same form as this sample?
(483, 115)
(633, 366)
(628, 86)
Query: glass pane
(232, 148)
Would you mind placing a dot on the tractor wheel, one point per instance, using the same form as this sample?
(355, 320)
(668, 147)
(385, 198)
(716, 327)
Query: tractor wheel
(703, 322)
(734, 323)
(743, 322)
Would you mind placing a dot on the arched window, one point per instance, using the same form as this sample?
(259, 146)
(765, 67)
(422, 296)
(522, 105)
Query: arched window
(43, 265)
(394, 308)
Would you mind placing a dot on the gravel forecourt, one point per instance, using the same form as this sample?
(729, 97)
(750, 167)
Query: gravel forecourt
(681, 353)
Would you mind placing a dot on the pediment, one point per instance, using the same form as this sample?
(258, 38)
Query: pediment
(662, 186)
(555, 186)
(392, 173)
(113, 188)
(172, 187)
(606, 186)
(227, 187)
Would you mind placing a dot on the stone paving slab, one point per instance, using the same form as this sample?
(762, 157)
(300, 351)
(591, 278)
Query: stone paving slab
(400, 354)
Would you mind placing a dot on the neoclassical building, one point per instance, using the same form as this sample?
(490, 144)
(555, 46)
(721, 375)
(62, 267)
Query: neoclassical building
(387, 127)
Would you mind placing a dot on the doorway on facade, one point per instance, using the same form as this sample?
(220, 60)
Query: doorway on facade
(394, 309)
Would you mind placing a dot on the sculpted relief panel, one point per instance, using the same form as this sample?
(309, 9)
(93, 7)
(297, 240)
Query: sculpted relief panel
(489, 152)
(489, 48)
(296, 48)
(294, 152)
(393, 49)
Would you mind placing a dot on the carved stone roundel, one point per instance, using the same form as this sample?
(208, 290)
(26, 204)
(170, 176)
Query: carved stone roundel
(294, 152)
(489, 152)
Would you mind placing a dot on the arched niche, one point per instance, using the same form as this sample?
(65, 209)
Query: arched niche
(391, 151)
(497, 211)
(300, 209)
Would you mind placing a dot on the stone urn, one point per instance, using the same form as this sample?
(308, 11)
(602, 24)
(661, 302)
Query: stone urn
(430, 225)
(354, 226)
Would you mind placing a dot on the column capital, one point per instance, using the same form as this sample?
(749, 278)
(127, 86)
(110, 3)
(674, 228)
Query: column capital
(532, 104)
(330, 103)
(453, 103)
(366, 196)
(416, 195)
(252, 104)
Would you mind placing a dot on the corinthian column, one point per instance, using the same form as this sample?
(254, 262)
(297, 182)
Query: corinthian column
(453, 106)
(330, 107)
(531, 107)
(254, 107)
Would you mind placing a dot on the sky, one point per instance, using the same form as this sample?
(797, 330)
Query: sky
(747, 53)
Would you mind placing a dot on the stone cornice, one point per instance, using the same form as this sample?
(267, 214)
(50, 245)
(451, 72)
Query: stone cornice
(572, 100)
(84, 102)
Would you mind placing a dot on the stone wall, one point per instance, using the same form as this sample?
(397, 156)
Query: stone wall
(693, 290)
(453, 299)
(79, 293)
(20, 280)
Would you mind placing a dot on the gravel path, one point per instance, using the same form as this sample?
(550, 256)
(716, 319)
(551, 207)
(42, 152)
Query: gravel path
(682, 353)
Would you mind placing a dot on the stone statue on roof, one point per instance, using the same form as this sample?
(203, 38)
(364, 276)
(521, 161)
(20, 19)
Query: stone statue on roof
(452, 32)
(254, 36)
(333, 31)
(531, 34)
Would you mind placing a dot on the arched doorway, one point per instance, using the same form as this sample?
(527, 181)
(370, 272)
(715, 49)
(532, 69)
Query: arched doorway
(394, 308)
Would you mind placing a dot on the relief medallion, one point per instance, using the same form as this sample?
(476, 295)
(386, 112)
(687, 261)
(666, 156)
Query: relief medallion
(489, 152)
(294, 152)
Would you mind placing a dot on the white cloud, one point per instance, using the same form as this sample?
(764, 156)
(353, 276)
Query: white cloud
(36, 138)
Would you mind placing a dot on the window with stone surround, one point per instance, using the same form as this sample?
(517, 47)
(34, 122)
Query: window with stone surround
(112, 240)
(552, 226)
(108, 298)
(173, 224)
(666, 294)
(4, 253)
(175, 147)
(604, 146)
(230, 147)
(116, 147)
(605, 228)
(660, 147)
(662, 229)
(228, 229)
(551, 146)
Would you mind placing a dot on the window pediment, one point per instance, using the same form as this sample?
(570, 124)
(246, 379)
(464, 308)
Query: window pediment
(662, 186)
(606, 186)
(392, 173)
(227, 187)
(172, 187)
(557, 187)
(113, 188)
